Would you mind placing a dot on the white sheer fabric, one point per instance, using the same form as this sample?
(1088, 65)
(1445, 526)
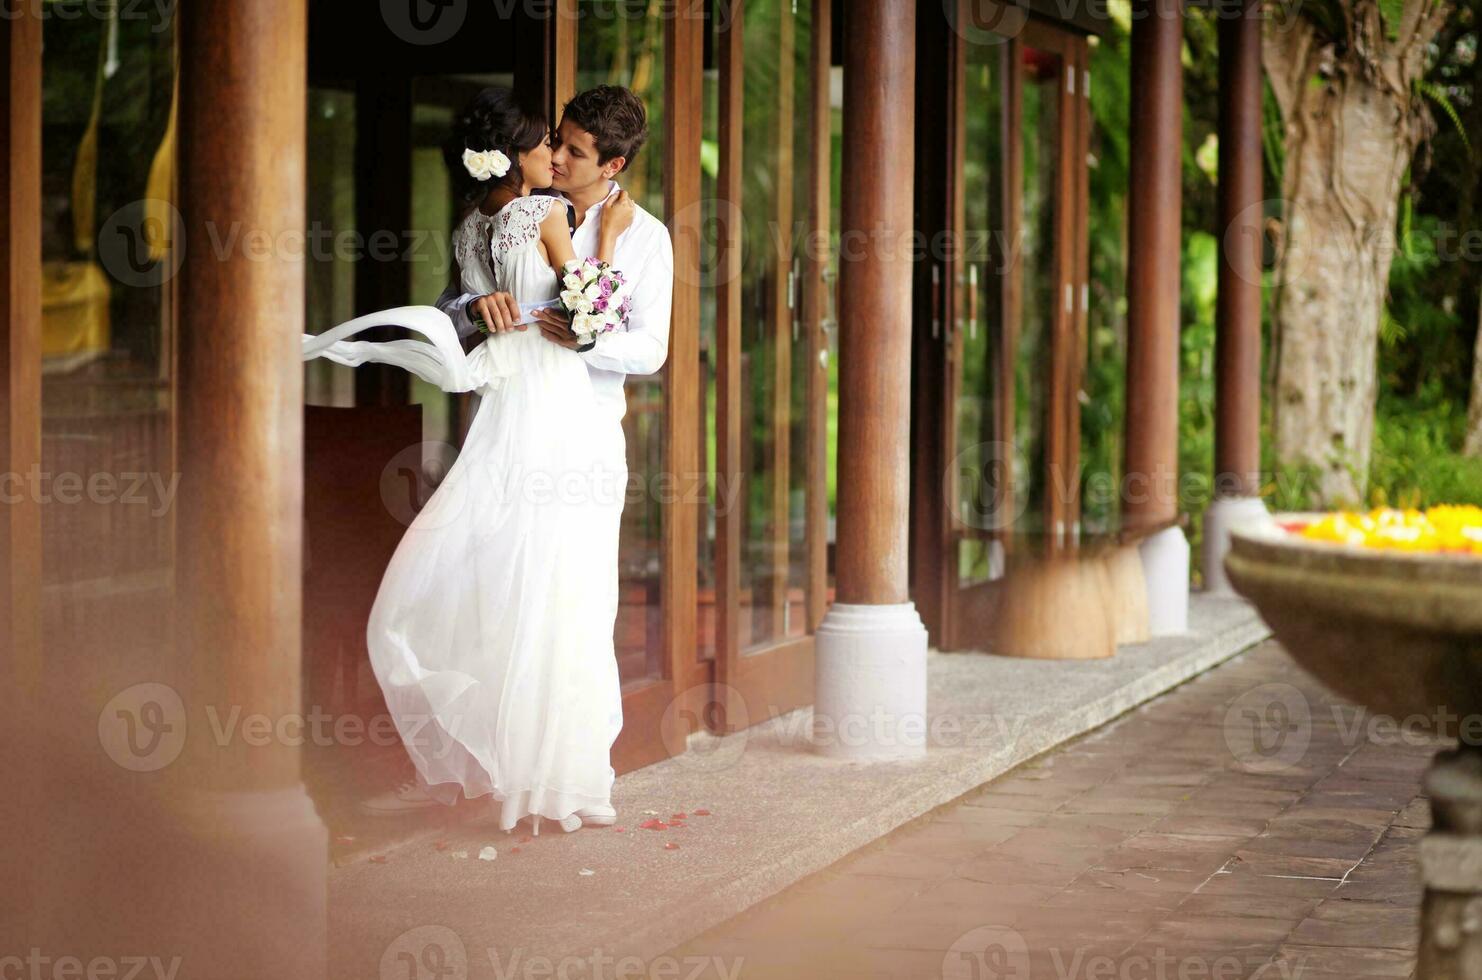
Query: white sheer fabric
(492, 632)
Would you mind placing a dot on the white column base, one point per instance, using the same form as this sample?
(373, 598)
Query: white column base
(1165, 567)
(870, 699)
(1225, 513)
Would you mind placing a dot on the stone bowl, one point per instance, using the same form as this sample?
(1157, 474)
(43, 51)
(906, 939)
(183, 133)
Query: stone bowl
(1398, 632)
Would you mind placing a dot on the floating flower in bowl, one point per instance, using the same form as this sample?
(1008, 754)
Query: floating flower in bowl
(1451, 528)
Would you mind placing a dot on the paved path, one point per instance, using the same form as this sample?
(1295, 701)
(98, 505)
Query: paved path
(1247, 824)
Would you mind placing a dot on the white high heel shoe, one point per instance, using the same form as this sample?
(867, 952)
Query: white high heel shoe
(567, 823)
(601, 815)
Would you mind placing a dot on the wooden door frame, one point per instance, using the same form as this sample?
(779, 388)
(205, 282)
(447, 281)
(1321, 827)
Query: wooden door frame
(954, 614)
(772, 678)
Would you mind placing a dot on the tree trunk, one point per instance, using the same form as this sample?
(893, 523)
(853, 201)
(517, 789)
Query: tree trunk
(1352, 123)
(1473, 444)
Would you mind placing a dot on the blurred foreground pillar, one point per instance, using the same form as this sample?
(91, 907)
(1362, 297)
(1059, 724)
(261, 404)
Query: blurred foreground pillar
(261, 849)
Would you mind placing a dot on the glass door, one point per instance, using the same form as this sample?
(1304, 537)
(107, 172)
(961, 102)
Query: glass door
(771, 370)
(1015, 312)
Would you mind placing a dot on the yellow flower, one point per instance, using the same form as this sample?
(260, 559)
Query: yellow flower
(1445, 527)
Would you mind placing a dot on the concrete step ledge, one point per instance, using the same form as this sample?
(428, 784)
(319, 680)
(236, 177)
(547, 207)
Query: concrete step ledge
(780, 812)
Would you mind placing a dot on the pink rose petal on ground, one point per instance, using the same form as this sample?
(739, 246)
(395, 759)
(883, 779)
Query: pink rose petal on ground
(379, 859)
(671, 846)
(654, 824)
(619, 830)
(701, 813)
(441, 845)
(344, 840)
(676, 816)
(515, 849)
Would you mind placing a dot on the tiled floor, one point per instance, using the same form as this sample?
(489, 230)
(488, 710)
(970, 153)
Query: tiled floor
(1245, 825)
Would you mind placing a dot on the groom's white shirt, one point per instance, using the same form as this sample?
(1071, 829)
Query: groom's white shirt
(645, 255)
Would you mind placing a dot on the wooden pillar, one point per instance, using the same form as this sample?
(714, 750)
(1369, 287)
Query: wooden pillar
(256, 887)
(20, 353)
(26, 748)
(1154, 205)
(871, 645)
(1237, 435)
(875, 302)
(1154, 219)
(1237, 349)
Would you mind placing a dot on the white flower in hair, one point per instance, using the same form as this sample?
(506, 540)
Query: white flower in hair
(481, 165)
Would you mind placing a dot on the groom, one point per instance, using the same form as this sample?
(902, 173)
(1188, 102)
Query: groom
(601, 132)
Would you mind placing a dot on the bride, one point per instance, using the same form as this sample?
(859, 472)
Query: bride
(492, 632)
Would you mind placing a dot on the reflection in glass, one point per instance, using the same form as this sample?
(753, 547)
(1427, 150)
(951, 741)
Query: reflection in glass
(774, 435)
(107, 478)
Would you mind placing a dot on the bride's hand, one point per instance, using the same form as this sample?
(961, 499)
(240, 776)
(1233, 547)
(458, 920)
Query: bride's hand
(618, 214)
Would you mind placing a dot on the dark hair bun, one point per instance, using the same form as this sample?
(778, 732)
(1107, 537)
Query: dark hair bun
(493, 120)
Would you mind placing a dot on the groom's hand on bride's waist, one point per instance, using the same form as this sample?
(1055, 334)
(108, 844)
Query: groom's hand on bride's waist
(556, 326)
(499, 311)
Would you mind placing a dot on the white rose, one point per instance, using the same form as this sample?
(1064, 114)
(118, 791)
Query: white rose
(478, 164)
(570, 298)
(498, 163)
(585, 306)
(572, 281)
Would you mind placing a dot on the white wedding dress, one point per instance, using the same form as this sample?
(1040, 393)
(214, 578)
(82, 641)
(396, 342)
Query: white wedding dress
(492, 633)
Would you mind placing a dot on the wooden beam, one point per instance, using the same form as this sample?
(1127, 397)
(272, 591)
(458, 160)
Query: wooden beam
(20, 354)
(1237, 434)
(875, 338)
(684, 101)
(1154, 215)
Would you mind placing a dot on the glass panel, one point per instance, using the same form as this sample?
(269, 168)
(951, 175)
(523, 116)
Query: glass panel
(1039, 133)
(773, 437)
(107, 479)
(1105, 378)
(329, 281)
(619, 43)
(980, 455)
(709, 171)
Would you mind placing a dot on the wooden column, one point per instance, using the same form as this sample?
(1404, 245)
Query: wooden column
(1237, 436)
(20, 353)
(1153, 221)
(27, 751)
(875, 302)
(256, 889)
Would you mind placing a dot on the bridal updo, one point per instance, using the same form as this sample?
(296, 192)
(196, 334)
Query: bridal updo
(493, 120)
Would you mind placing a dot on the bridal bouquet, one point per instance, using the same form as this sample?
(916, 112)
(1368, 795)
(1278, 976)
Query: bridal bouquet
(597, 298)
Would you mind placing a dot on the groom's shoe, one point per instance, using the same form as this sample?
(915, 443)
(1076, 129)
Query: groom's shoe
(407, 797)
(600, 815)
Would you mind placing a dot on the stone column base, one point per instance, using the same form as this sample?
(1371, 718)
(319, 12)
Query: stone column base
(1165, 567)
(870, 699)
(1225, 513)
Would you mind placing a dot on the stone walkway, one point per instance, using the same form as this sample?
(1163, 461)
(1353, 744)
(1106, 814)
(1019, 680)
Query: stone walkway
(1248, 824)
